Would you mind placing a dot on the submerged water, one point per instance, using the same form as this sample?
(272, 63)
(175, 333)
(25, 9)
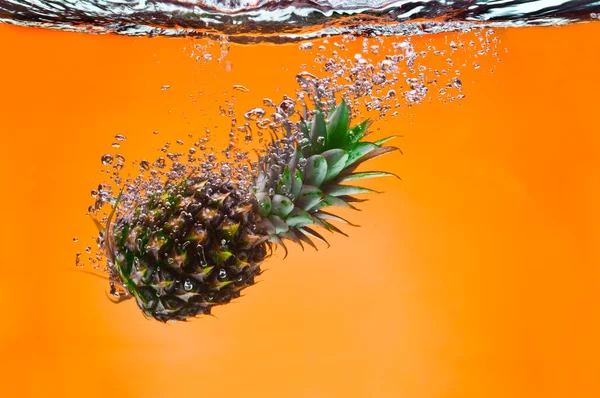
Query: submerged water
(279, 21)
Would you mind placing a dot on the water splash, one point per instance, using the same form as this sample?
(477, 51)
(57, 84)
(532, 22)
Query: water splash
(280, 21)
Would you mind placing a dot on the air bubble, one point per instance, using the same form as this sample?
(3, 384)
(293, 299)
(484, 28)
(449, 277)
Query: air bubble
(456, 82)
(306, 46)
(106, 159)
(255, 114)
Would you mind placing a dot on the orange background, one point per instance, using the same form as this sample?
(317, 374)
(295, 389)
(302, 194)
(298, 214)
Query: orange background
(476, 276)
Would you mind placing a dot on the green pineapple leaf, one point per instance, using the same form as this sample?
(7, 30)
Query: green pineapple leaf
(281, 206)
(337, 128)
(298, 218)
(284, 184)
(290, 235)
(296, 184)
(309, 196)
(384, 140)
(318, 133)
(365, 175)
(314, 234)
(339, 190)
(333, 228)
(336, 161)
(315, 170)
(129, 257)
(365, 151)
(329, 201)
(359, 150)
(264, 204)
(305, 239)
(279, 224)
(356, 133)
(323, 215)
(305, 128)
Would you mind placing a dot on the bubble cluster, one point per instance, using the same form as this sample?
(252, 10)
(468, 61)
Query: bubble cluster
(378, 80)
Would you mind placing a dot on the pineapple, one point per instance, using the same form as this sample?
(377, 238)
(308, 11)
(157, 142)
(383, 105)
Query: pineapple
(201, 241)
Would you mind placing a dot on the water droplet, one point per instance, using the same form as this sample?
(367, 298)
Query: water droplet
(165, 87)
(120, 137)
(188, 285)
(286, 107)
(222, 273)
(106, 159)
(305, 77)
(120, 158)
(155, 132)
(116, 145)
(75, 239)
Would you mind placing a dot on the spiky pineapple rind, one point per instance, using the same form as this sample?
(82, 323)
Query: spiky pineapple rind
(189, 249)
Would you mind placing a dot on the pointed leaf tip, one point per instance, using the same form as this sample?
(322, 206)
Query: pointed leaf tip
(365, 175)
(386, 139)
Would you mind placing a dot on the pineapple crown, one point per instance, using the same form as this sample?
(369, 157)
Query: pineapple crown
(292, 201)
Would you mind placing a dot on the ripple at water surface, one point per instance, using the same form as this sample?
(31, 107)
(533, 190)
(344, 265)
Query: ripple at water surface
(280, 21)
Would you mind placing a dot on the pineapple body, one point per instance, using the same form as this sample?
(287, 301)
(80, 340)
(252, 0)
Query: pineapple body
(194, 246)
